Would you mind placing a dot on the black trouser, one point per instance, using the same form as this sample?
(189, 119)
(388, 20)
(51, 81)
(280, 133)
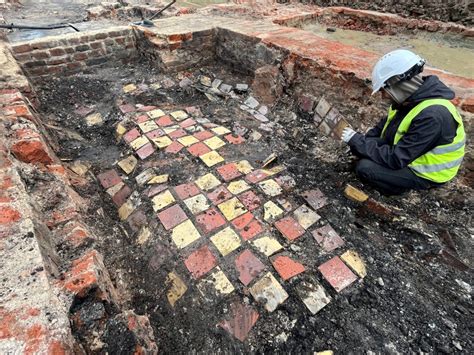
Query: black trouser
(391, 182)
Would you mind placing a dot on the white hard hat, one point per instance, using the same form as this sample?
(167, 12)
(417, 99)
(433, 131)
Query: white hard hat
(394, 63)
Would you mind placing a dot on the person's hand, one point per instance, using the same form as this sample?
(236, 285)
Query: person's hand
(347, 134)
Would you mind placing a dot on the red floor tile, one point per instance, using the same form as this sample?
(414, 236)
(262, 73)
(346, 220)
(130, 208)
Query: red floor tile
(210, 220)
(141, 118)
(229, 171)
(109, 178)
(247, 226)
(155, 134)
(164, 121)
(327, 238)
(186, 190)
(256, 176)
(203, 135)
(145, 151)
(248, 266)
(243, 318)
(250, 200)
(234, 139)
(172, 216)
(155, 189)
(200, 262)
(147, 108)
(174, 148)
(337, 273)
(187, 123)
(287, 267)
(121, 196)
(199, 149)
(178, 134)
(219, 195)
(290, 228)
(127, 108)
(315, 198)
(131, 135)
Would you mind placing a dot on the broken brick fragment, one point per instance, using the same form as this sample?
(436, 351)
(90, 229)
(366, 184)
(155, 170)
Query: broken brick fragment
(32, 151)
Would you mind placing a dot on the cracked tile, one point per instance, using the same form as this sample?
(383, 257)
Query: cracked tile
(212, 158)
(271, 211)
(109, 178)
(174, 148)
(256, 176)
(337, 273)
(184, 234)
(267, 245)
(270, 188)
(355, 262)
(238, 186)
(226, 241)
(162, 200)
(234, 139)
(248, 266)
(177, 133)
(247, 226)
(177, 288)
(215, 283)
(314, 296)
(210, 220)
(250, 200)
(186, 190)
(287, 267)
(268, 291)
(207, 182)
(197, 203)
(170, 129)
(306, 217)
(327, 238)
(159, 179)
(244, 166)
(229, 171)
(232, 208)
(145, 176)
(290, 228)
(200, 262)
(126, 210)
(214, 143)
(131, 135)
(242, 320)
(315, 198)
(219, 195)
(187, 123)
(145, 151)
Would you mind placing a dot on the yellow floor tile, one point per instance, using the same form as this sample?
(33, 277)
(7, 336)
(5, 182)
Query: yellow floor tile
(212, 158)
(271, 211)
(267, 245)
(197, 203)
(177, 288)
(236, 187)
(145, 176)
(275, 170)
(306, 217)
(139, 142)
(268, 291)
(162, 200)
(126, 210)
(162, 142)
(244, 167)
(179, 115)
(270, 187)
(170, 129)
(120, 130)
(188, 140)
(214, 142)
(355, 194)
(148, 126)
(184, 234)
(220, 130)
(128, 164)
(207, 182)
(159, 179)
(232, 208)
(215, 282)
(129, 88)
(156, 113)
(355, 262)
(226, 241)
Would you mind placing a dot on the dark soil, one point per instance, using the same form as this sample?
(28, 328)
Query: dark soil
(412, 300)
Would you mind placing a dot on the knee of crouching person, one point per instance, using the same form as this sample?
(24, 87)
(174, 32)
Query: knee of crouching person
(364, 168)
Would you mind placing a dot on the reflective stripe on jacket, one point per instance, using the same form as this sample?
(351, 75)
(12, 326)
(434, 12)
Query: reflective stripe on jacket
(441, 163)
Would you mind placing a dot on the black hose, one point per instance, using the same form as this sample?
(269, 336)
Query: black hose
(25, 27)
(163, 9)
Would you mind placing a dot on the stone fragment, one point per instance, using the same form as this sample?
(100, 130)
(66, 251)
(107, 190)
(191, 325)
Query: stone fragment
(179, 115)
(184, 234)
(267, 290)
(323, 107)
(234, 139)
(155, 113)
(290, 228)
(120, 130)
(232, 208)
(210, 220)
(306, 217)
(270, 187)
(214, 142)
(162, 200)
(177, 288)
(197, 204)
(128, 164)
(355, 262)
(129, 88)
(226, 241)
(242, 320)
(355, 194)
(207, 182)
(172, 216)
(205, 80)
(126, 108)
(324, 128)
(143, 236)
(238, 186)
(251, 102)
(94, 120)
(216, 283)
(328, 238)
(225, 88)
(159, 179)
(241, 88)
(216, 83)
(248, 266)
(337, 273)
(145, 176)
(200, 262)
(271, 211)
(287, 267)
(313, 296)
(186, 190)
(126, 210)
(261, 118)
(212, 158)
(267, 245)
(121, 196)
(80, 168)
(315, 198)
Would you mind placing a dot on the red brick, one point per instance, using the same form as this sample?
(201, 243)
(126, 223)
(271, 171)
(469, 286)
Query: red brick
(8, 215)
(32, 151)
(109, 178)
(174, 148)
(248, 266)
(145, 151)
(337, 273)
(327, 238)
(256, 176)
(131, 135)
(186, 190)
(200, 262)
(250, 200)
(203, 135)
(178, 133)
(80, 56)
(286, 267)
(172, 216)
(290, 228)
(187, 123)
(199, 149)
(229, 171)
(26, 133)
(21, 48)
(121, 196)
(234, 138)
(219, 195)
(164, 121)
(210, 220)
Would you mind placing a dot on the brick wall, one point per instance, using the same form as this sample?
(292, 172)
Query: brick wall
(461, 11)
(72, 53)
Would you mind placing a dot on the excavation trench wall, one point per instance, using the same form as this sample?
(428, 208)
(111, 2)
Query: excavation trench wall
(283, 60)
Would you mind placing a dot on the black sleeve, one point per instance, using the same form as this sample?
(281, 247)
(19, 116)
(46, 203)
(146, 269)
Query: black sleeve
(422, 136)
(376, 131)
